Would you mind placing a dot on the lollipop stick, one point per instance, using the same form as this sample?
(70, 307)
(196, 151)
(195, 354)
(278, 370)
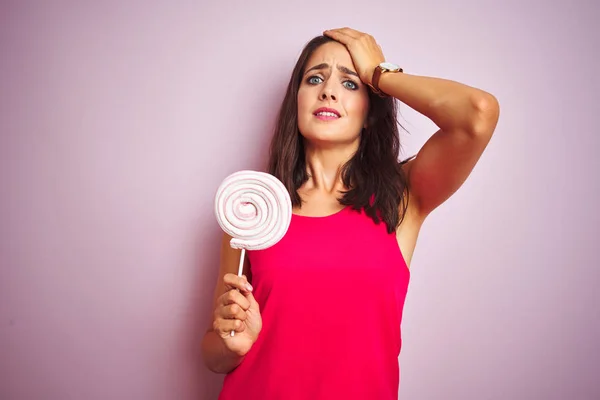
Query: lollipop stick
(241, 267)
(240, 270)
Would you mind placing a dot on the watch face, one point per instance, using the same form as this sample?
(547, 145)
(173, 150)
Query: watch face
(389, 66)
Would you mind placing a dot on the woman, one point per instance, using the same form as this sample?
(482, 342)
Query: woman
(323, 318)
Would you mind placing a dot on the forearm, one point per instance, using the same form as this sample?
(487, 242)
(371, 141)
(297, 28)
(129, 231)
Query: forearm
(450, 105)
(216, 356)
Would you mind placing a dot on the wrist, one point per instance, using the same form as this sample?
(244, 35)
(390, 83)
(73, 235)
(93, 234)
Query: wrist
(216, 356)
(368, 77)
(379, 72)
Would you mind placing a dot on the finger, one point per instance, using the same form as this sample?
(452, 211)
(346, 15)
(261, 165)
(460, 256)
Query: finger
(233, 311)
(354, 34)
(341, 37)
(233, 281)
(224, 327)
(235, 297)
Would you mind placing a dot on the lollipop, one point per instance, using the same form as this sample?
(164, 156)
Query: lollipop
(255, 209)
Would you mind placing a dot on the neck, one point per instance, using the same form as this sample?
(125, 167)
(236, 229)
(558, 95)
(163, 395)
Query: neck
(324, 166)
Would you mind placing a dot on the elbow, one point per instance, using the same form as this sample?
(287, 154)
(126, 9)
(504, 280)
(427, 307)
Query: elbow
(486, 112)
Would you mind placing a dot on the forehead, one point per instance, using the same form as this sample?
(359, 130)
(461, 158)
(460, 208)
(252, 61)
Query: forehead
(332, 53)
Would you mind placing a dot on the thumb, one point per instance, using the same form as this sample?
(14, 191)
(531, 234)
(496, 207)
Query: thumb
(253, 303)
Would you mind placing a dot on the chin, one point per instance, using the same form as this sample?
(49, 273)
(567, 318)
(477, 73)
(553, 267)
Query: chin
(329, 132)
(328, 137)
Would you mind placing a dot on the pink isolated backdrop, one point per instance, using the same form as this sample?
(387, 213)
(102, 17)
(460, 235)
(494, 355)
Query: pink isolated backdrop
(118, 120)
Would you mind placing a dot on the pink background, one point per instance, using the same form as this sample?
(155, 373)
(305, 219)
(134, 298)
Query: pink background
(118, 121)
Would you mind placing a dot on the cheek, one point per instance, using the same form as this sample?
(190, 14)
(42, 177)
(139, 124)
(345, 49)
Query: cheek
(359, 106)
(303, 109)
(302, 101)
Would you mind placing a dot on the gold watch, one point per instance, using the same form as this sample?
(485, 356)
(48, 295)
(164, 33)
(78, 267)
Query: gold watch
(379, 70)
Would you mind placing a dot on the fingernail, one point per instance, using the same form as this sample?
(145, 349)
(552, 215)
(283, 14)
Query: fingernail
(249, 287)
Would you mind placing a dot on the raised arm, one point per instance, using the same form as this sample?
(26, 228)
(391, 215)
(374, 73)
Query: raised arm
(466, 118)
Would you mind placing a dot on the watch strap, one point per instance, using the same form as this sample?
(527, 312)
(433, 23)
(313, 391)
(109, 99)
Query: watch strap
(377, 72)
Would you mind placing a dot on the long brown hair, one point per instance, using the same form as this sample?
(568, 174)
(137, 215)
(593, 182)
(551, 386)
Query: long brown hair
(376, 181)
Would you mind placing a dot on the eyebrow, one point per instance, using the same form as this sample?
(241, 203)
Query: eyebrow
(326, 66)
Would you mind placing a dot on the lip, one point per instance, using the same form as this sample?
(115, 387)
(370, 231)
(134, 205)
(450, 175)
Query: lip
(326, 109)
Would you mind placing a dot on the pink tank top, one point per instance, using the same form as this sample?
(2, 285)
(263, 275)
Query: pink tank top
(331, 295)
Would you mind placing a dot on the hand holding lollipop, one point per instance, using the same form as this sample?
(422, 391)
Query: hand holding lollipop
(255, 209)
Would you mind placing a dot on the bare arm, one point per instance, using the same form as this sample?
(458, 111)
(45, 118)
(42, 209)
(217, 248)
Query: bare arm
(467, 118)
(218, 356)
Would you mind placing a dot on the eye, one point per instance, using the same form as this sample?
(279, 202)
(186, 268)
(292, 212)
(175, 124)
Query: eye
(350, 85)
(313, 80)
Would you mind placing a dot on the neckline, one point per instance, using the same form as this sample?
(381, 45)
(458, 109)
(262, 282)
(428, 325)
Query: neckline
(319, 217)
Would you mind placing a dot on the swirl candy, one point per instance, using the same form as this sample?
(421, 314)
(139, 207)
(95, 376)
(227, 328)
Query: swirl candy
(254, 208)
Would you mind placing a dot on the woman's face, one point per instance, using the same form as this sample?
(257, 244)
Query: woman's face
(332, 101)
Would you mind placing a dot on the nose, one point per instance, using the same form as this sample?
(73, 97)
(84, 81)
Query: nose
(328, 92)
(325, 96)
